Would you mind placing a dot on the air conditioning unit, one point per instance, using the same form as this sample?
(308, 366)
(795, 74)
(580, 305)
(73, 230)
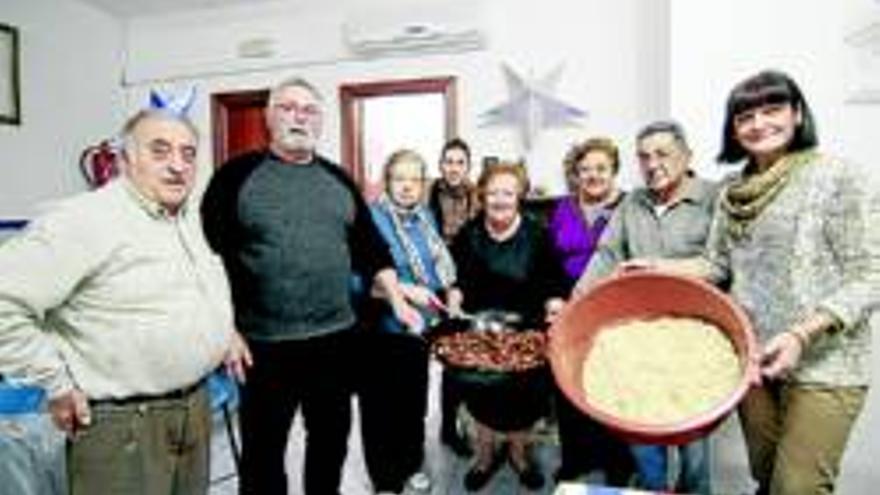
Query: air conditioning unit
(440, 28)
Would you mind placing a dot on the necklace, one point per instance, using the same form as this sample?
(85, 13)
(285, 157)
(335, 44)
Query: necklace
(507, 232)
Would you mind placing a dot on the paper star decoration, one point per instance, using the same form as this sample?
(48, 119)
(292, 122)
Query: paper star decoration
(532, 106)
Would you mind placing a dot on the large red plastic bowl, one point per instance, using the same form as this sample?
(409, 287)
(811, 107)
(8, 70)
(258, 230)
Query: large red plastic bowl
(646, 294)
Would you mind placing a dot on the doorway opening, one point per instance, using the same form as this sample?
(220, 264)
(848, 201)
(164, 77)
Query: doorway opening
(379, 118)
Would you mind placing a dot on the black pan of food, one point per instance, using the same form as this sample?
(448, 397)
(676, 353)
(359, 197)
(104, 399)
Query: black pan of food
(488, 347)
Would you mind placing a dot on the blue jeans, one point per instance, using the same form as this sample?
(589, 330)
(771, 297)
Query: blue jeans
(652, 463)
(31, 456)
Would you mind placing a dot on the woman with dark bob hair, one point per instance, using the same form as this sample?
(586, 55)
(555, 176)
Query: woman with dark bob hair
(771, 88)
(796, 236)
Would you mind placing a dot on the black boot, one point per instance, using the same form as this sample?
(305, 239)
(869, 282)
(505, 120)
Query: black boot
(477, 477)
(457, 443)
(529, 473)
(450, 400)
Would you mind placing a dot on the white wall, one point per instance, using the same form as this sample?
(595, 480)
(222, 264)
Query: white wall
(71, 96)
(716, 44)
(601, 45)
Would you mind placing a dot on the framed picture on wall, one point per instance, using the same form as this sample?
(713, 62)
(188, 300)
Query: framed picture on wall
(10, 110)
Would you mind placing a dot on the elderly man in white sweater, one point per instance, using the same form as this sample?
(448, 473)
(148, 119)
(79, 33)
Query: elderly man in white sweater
(113, 303)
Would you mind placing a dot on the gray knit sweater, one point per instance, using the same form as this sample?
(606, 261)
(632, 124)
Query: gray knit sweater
(291, 237)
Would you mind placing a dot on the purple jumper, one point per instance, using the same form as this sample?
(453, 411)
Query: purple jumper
(574, 239)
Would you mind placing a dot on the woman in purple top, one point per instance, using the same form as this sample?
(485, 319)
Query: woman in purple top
(575, 228)
(579, 219)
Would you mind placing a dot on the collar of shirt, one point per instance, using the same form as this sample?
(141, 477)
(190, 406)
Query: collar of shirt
(696, 190)
(154, 209)
(271, 155)
(460, 191)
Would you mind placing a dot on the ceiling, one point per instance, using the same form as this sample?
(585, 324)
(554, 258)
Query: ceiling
(135, 8)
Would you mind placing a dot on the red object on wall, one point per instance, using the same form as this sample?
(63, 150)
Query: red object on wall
(99, 163)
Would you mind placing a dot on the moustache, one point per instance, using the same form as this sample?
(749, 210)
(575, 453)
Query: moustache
(295, 132)
(175, 180)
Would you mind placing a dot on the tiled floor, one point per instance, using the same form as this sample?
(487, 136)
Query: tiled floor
(447, 470)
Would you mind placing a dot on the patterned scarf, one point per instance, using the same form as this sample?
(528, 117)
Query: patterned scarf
(443, 264)
(745, 198)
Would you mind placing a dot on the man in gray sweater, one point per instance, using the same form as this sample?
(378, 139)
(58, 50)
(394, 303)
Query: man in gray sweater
(292, 228)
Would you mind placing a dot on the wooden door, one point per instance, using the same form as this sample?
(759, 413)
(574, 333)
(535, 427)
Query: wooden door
(239, 124)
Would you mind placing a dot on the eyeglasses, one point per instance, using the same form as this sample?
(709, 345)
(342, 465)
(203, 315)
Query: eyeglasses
(402, 179)
(309, 110)
(585, 171)
(659, 154)
(162, 150)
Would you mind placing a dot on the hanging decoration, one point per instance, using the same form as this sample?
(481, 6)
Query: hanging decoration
(100, 163)
(532, 106)
(178, 105)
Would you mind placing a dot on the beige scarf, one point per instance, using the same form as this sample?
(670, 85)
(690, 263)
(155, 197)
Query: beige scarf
(745, 198)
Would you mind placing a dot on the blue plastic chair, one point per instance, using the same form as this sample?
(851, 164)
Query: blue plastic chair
(223, 392)
(20, 399)
(31, 449)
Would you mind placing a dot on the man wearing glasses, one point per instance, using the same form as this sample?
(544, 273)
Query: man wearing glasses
(291, 228)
